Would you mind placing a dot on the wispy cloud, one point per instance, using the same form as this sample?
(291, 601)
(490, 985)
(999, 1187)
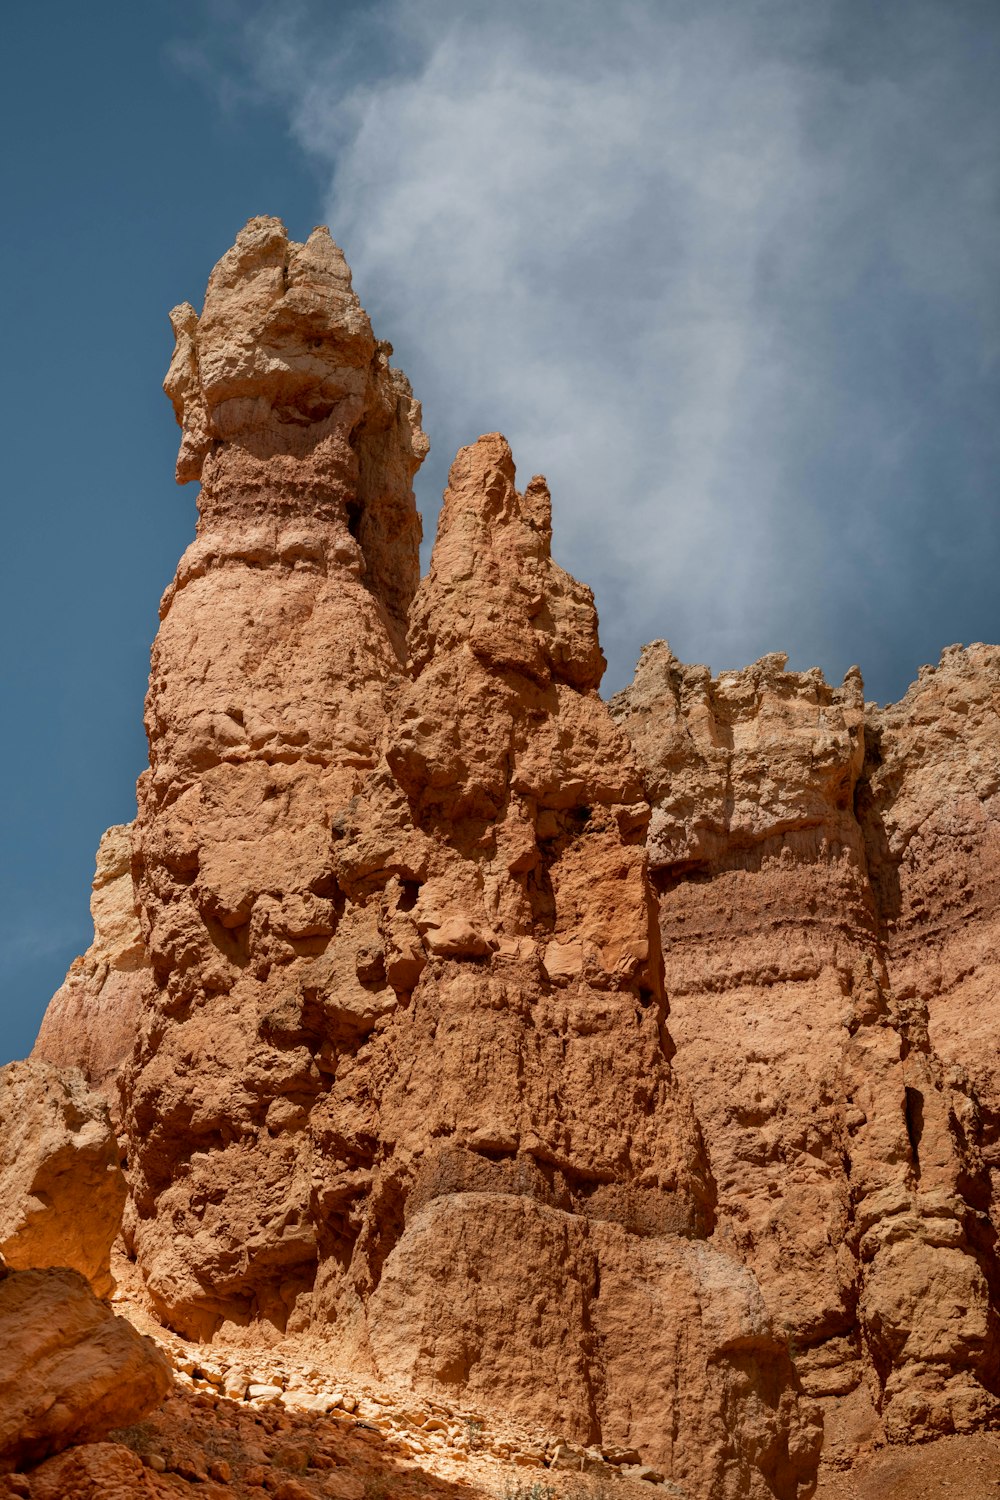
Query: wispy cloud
(720, 271)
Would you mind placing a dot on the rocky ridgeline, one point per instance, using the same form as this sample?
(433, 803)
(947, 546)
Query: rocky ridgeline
(624, 1071)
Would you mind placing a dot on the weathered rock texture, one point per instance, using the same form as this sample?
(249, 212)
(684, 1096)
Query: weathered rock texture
(91, 1020)
(402, 1076)
(61, 1186)
(70, 1371)
(808, 995)
(399, 1071)
(934, 765)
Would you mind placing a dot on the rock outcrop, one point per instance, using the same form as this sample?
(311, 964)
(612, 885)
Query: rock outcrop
(934, 772)
(845, 1141)
(404, 1004)
(91, 1020)
(61, 1185)
(631, 1068)
(70, 1371)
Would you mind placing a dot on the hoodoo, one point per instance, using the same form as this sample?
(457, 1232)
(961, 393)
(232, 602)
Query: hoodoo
(627, 1069)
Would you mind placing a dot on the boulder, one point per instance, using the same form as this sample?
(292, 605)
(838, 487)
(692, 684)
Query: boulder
(61, 1184)
(70, 1371)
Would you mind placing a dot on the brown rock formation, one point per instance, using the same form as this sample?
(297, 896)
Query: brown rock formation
(405, 991)
(934, 769)
(381, 971)
(90, 1022)
(61, 1186)
(70, 1371)
(96, 1471)
(846, 1154)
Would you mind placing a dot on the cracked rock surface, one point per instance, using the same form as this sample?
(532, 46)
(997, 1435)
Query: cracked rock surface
(628, 1069)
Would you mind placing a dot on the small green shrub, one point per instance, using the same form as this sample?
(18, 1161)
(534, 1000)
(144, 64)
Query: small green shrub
(518, 1490)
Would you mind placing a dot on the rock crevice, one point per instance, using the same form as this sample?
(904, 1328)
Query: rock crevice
(630, 1066)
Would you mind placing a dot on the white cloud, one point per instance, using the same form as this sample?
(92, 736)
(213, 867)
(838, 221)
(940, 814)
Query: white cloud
(624, 235)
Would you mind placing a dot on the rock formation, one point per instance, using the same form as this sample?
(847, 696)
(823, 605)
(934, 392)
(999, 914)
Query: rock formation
(70, 1371)
(90, 1022)
(846, 1148)
(631, 1068)
(934, 762)
(61, 1186)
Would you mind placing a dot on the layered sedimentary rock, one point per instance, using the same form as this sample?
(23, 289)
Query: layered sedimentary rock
(61, 1186)
(845, 1150)
(70, 1371)
(934, 771)
(402, 1077)
(631, 1068)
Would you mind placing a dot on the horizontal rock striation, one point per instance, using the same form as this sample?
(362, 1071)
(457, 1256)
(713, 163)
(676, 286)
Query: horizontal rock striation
(381, 971)
(846, 1140)
(934, 765)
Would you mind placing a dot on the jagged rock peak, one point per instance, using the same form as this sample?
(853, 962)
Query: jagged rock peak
(743, 757)
(492, 579)
(291, 413)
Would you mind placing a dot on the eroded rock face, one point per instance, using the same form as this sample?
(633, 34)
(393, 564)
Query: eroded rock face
(404, 975)
(846, 1152)
(652, 1342)
(91, 1020)
(935, 790)
(61, 1186)
(70, 1371)
(381, 972)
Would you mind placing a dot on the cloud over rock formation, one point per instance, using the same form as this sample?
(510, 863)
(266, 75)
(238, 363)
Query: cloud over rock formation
(579, 1058)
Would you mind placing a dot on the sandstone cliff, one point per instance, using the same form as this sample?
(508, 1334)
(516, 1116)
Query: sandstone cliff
(628, 1068)
(828, 911)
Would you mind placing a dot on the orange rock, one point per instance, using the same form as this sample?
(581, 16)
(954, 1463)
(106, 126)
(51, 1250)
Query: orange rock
(844, 1151)
(381, 971)
(70, 1371)
(97, 1471)
(581, 1327)
(61, 1186)
(91, 1020)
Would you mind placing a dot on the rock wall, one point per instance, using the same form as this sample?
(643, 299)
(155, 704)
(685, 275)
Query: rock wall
(627, 1069)
(803, 856)
(934, 769)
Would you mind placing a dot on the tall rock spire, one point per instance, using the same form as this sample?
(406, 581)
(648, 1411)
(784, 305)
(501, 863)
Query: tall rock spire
(290, 410)
(402, 1071)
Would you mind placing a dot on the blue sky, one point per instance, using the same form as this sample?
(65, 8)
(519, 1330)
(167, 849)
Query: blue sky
(726, 273)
